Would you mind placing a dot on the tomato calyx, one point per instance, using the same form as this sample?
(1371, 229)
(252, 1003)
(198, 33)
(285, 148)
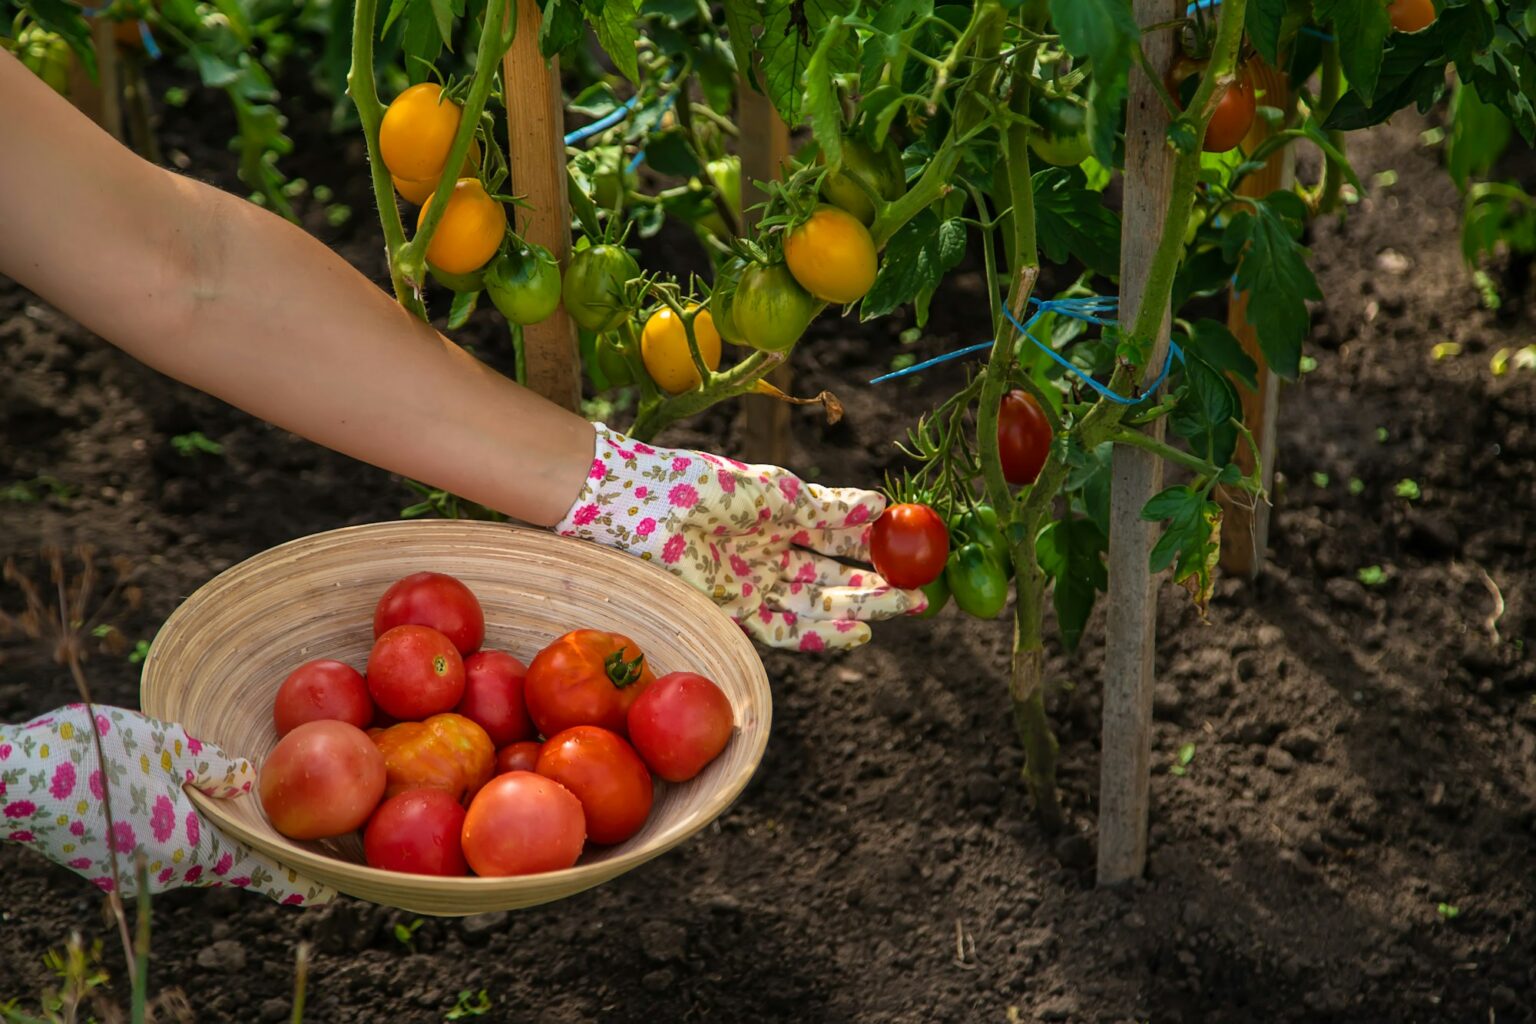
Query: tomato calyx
(623, 673)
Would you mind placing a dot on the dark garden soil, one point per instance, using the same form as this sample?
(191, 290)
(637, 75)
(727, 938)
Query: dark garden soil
(1362, 754)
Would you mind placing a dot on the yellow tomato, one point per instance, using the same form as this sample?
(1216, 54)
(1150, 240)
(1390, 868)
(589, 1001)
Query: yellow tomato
(417, 132)
(418, 192)
(469, 233)
(664, 347)
(832, 256)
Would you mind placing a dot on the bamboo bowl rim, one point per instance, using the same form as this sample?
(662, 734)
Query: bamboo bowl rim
(677, 603)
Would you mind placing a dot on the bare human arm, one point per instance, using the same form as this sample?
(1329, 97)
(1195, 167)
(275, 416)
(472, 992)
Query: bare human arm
(235, 301)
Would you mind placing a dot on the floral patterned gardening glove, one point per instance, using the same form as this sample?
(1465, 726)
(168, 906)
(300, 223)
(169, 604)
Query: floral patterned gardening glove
(52, 799)
(760, 541)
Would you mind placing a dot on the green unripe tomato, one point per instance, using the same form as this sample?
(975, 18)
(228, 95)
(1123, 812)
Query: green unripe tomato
(880, 169)
(594, 287)
(977, 581)
(770, 309)
(1062, 138)
(937, 593)
(524, 284)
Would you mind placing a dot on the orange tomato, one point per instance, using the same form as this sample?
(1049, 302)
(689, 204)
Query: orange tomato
(1411, 15)
(418, 192)
(832, 256)
(469, 232)
(447, 752)
(417, 132)
(664, 347)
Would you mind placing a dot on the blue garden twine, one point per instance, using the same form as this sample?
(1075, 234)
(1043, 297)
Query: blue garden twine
(1085, 309)
(1211, 5)
(612, 118)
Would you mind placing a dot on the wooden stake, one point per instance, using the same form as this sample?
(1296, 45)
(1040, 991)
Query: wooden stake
(99, 98)
(764, 149)
(1125, 759)
(1245, 526)
(536, 158)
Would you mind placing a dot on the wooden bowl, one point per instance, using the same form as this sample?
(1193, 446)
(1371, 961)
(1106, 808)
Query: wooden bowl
(218, 662)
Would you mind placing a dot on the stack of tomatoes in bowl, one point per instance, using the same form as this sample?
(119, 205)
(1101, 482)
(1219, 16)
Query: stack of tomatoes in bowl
(451, 774)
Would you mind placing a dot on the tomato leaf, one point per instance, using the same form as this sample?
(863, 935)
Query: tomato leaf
(825, 111)
(1480, 132)
(613, 21)
(741, 18)
(1105, 32)
(1072, 220)
(670, 153)
(1364, 25)
(1089, 476)
(1207, 404)
(561, 28)
(1187, 542)
(1271, 23)
(1213, 344)
(791, 31)
(1071, 552)
(1205, 271)
(463, 305)
(951, 252)
(915, 260)
(1263, 239)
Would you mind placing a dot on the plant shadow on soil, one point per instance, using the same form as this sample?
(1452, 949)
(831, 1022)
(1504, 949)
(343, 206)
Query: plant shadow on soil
(1362, 753)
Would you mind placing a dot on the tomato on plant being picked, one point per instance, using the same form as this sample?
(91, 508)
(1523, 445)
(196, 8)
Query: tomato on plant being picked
(432, 599)
(493, 696)
(586, 677)
(320, 690)
(518, 757)
(908, 545)
(524, 284)
(832, 256)
(770, 309)
(1023, 437)
(521, 823)
(606, 775)
(1235, 110)
(414, 672)
(418, 832)
(978, 582)
(679, 724)
(447, 752)
(322, 779)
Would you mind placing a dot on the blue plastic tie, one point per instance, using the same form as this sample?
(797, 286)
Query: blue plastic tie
(148, 39)
(603, 123)
(1211, 5)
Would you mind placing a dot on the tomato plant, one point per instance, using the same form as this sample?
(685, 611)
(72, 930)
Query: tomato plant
(606, 775)
(447, 752)
(586, 677)
(414, 672)
(417, 831)
(680, 724)
(521, 823)
(322, 779)
(436, 600)
(319, 690)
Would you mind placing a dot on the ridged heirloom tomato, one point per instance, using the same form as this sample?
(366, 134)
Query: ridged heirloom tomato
(1411, 15)
(606, 775)
(680, 724)
(770, 309)
(417, 132)
(320, 690)
(908, 545)
(415, 671)
(447, 752)
(593, 289)
(586, 677)
(664, 348)
(417, 831)
(522, 824)
(470, 231)
(832, 256)
(436, 600)
(322, 779)
(1023, 437)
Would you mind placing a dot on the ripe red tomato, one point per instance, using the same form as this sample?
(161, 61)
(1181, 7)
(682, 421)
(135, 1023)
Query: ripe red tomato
(493, 697)
(908, 545)
(415, 672)
(587, 677)
(433, 599)
(447, 752)
(318, 690)
(606, 775)
(1411, 15)
(680, 724)
(1235, 110)
(1023, 437)
(519, 757)
(417, 831)
(521, 824)
(322, 779)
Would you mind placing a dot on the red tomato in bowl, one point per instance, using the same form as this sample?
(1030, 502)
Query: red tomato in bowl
(908, 545)
(586, 677)
(415, 672)
(322, 779)
(519, 757)
(433, 599)
(522, 824)
(320, 690)
(680, 724)
(418, 832)
(606, 775)
(447, 752)
(1023, 437)
(493, 697)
